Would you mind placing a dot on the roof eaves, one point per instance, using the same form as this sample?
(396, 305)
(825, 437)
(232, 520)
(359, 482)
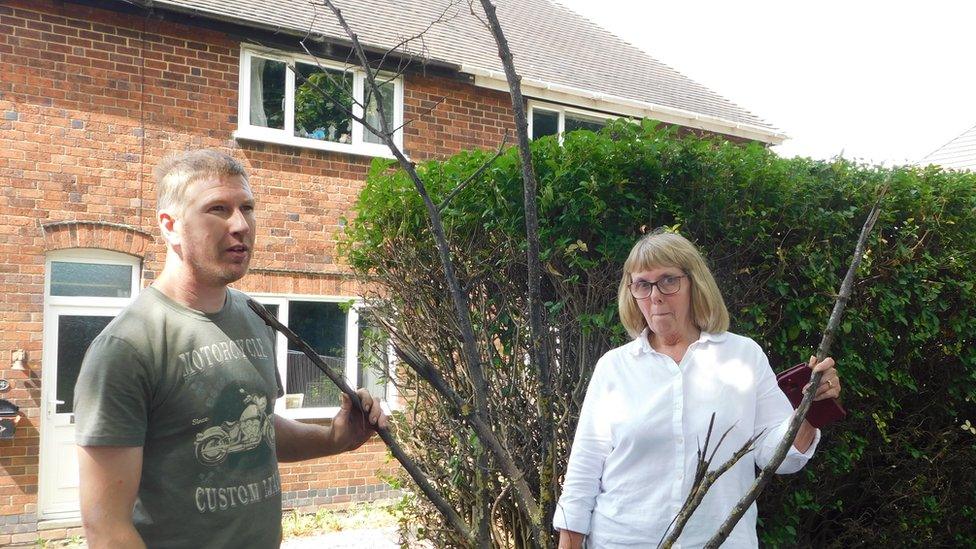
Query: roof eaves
(492, 79)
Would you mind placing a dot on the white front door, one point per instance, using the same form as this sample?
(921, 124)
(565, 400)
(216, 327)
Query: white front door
(71, 330)
(84, 291)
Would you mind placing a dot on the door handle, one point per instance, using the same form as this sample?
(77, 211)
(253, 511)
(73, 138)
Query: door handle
(52, 407)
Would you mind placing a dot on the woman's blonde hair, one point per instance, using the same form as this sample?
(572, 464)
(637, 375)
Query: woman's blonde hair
(666, 249)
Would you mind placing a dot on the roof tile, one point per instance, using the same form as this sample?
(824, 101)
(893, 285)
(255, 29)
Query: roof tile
(959, 154)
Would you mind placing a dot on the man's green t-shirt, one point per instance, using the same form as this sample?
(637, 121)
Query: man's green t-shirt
(196, 391)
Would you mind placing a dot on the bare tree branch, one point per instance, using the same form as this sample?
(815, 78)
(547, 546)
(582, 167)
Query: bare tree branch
(539, 333)
(494, 511)
(798, 416)
(704, 479)
(426, 111)
(412, 469)
(402, 44)
(478, 417)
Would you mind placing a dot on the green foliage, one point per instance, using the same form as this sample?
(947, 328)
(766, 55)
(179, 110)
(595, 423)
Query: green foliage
(778, 234)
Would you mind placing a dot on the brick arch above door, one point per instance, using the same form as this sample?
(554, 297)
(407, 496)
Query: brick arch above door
(62, 235)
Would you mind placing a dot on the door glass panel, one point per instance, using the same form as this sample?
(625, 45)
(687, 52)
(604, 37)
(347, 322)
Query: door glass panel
(323, 326)
(90, 279)
(75, 334)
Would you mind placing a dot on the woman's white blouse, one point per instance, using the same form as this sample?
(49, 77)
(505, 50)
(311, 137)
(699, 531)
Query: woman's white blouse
(644, 418)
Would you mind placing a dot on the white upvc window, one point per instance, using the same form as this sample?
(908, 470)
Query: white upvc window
(551, 119)
(91, 277)
(281, 100)
(332, 326)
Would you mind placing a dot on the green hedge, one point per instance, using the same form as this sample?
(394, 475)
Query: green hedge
(778, 234)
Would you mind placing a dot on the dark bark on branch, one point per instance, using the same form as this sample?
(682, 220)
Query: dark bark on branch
(412, 469)
(472, 356)
(538, 331)
(798, 416)
(478, 418)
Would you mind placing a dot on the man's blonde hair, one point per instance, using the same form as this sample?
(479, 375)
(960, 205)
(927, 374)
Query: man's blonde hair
(177, 171)
(667, 249)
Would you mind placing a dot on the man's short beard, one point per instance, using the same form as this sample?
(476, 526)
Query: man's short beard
(230, 279)
(221, 276)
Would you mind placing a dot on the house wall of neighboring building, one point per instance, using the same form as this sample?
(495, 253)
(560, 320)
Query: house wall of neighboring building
(90, 100)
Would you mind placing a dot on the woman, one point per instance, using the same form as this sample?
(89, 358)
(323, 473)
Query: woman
(649, 403)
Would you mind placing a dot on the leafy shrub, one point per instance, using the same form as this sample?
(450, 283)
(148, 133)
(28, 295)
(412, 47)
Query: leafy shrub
(778, 234)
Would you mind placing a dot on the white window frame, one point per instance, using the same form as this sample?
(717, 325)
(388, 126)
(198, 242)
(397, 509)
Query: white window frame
(561, 111)
(50, 502)
(287, 135)
(351, 369)
(94, 256)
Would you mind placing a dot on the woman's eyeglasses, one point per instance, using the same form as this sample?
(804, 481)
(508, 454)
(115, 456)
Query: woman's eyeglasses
(668, 285)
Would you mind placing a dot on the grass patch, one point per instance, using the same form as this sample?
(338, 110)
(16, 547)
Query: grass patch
(358, 517)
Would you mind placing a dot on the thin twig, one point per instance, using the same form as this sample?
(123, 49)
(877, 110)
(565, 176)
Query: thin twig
(475, 175)
(408, 464)
(420, 35)
(425, 112)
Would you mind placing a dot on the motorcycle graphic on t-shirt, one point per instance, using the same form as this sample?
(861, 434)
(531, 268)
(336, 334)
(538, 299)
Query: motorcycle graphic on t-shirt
(213, 445)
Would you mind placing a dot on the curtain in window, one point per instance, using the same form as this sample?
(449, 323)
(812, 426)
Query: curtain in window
(258, 117)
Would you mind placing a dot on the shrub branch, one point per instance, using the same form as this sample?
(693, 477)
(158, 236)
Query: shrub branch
(408, 464)
(801, 412)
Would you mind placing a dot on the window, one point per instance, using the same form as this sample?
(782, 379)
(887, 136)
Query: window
(296, 100)
(548, 119)
(333, 329)
(69, 278)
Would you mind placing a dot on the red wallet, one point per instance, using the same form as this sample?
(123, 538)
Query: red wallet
(822, 412)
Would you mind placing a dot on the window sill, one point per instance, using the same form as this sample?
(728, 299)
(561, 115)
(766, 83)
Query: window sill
(370, 150)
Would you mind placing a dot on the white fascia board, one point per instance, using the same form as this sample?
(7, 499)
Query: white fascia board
(548, 91)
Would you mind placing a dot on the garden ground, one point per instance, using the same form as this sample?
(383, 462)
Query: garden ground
(368, 524)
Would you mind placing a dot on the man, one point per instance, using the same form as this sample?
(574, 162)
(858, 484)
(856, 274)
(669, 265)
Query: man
(178, 442)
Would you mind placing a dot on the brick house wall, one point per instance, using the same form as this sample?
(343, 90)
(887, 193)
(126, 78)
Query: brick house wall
(90, 100)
